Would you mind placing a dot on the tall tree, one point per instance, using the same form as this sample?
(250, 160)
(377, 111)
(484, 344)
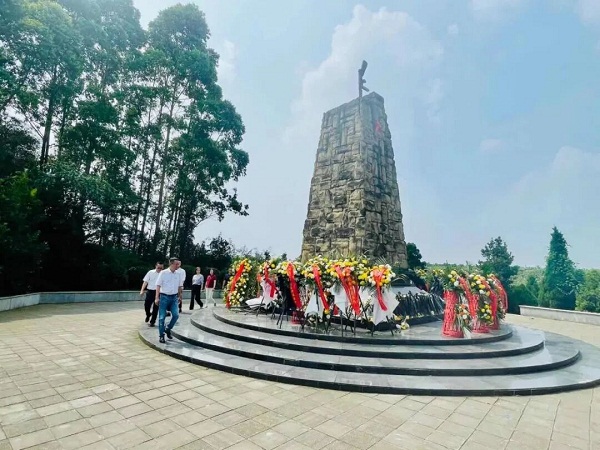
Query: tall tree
(588, 296)
(414, 257)
(560, 282)
(133, 138)
(198, 132)
(498, 260)
(50, 55)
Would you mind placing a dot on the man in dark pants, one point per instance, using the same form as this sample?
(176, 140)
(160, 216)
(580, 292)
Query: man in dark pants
(169, 291)
(149, 286)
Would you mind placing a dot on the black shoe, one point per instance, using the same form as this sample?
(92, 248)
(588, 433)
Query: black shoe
(161, 339)
(151, 324)
(179, 310)
(168, 333)
(168, 313)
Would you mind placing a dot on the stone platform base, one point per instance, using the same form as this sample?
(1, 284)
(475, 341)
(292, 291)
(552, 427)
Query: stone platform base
(511, 361)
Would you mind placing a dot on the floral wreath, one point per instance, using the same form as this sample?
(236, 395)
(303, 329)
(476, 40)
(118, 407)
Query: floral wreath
(237, 288)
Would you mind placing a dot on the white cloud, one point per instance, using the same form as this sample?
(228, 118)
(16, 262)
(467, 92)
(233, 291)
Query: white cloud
(393, 38)
(494, 10)
(226, 68)
(563, 194)
(490, 146)
(453, 29)
(588, 11)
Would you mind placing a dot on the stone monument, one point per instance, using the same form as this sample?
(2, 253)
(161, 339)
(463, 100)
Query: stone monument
(354, 204)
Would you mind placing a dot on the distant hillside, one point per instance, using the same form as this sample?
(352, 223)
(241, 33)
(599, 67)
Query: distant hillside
(526, 272)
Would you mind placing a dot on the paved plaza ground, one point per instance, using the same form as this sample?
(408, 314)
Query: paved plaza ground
(77, 376)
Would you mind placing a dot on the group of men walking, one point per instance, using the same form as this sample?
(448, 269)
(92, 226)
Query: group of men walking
(164, 294)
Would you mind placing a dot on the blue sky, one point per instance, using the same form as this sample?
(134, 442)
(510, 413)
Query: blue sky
(493, 106)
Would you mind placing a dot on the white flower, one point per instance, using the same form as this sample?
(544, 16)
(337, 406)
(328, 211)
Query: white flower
(464, 316)
(456, 284)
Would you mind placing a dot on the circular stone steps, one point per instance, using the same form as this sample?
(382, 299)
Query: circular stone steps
(425, 334)
(527, 341)
(553, 356)
(523, 362)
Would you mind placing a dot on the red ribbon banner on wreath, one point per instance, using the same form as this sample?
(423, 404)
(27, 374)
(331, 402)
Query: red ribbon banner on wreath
(449, 327)
(321, 292)
(471, 298)
(350, 289)
(378, 278)
(502, 292)
(294, 286)
(270, 282)
(273, 287)
(236, 278)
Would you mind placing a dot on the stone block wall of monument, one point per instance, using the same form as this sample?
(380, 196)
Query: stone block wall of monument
(354, 204)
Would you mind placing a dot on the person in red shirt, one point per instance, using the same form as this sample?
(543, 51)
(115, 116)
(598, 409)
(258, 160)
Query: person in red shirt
(209, 286)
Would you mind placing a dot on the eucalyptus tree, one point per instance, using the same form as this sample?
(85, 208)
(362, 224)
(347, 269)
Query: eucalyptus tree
(123, 135)
(99, 140)
(49, 64)
(199, 131)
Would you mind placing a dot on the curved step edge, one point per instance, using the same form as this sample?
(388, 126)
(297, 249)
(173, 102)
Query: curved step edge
(361, 340)
(302, 346)
(213, 361)
(340, 367)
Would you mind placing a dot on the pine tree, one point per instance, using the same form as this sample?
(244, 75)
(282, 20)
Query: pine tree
(414, 257)
(498, 260)
(560, 283)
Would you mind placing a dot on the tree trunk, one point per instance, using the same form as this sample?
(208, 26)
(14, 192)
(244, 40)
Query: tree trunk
(63, 123)
(150, 176)
(48, 121)
(161, 190)
(148, 191)
(133, 241)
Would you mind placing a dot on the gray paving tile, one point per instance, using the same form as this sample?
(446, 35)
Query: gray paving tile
(123, 362)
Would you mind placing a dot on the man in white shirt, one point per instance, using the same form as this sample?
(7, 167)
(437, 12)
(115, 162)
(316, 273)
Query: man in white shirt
(182, 273)
(149, 286)
(169, 289)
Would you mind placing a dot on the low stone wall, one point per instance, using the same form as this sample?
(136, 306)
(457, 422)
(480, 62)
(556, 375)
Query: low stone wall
(19, 301)
(40, 298)
(88, 297)
(561, 314)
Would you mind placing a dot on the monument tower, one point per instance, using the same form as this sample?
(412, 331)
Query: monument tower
(354, 204)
